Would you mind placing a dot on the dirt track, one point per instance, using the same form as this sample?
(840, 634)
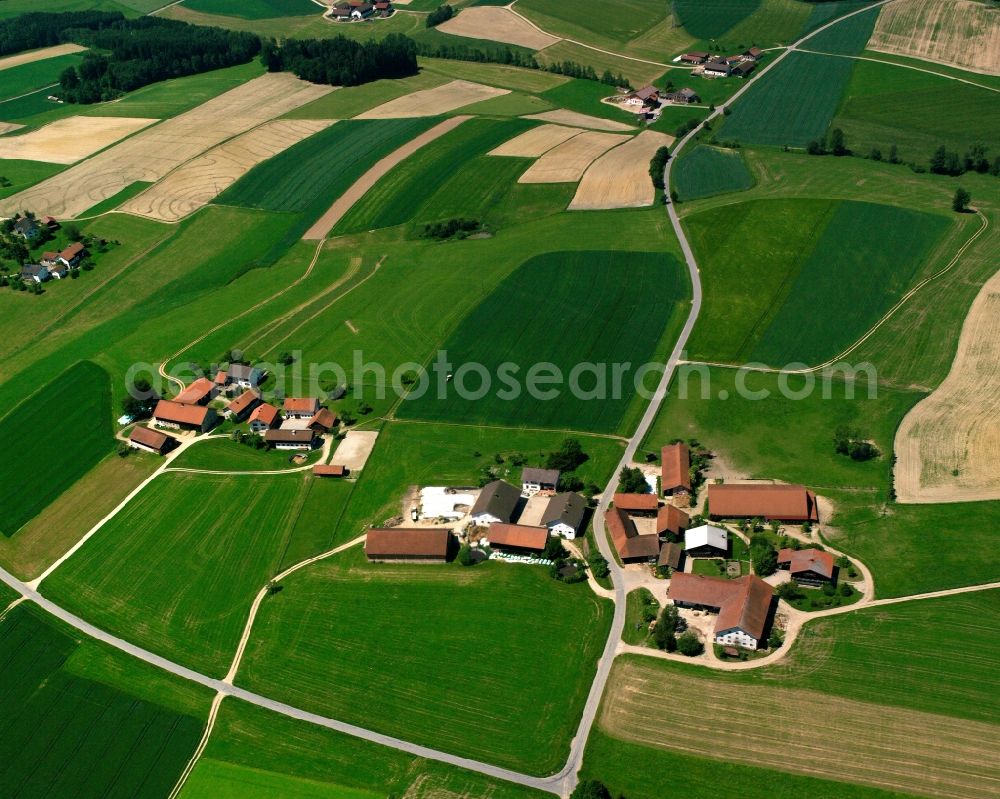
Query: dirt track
(620, 177)
(39, 55)
(151, 154)
(567, 162)
(498, 24)
(957, 427)
(431, 102)
(69, 140)
(961, 33)
(204, 178)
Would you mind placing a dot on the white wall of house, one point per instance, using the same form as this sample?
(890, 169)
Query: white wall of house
(736, 637)
(563, 530)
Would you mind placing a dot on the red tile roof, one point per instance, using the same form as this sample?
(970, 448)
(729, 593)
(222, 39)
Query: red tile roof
(808, 560)
(180, 413)
(743, 603)
(636, 502)
(402, 543)
(243, 401)
(72, 251)
(308, 405)
(327, 470)
(265, 413)
(626, 538)
(323, 418)
(197, 391)
(149, 438)
(520, 536)
(221, 378)
(745, 500)
(671, 519)
(675, 472)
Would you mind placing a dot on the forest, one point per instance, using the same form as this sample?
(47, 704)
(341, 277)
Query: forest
(343, 62)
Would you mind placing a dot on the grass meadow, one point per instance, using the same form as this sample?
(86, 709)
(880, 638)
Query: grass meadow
(177, 569)
(256, 9)
(710, 19)
(585, 97)
(38, 459)
(588, 312)
(440, 634)
(28, 77)
(506, 77)
(23, 174)
(226, 455)
(794, 104)
(706, 171)
(848, 37)
(256, 754)
(67, 733)
(639, 73)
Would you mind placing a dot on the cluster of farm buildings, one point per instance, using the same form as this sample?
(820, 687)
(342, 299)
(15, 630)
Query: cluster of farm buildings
(359, 10)
(51, 265)
(714, 66)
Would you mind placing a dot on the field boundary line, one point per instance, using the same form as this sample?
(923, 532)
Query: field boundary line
(202, 744)
(905, 66)
(10, 607)
(396, 420)
(984, 224)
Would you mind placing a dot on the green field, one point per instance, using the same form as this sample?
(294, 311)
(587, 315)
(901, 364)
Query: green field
(67, 731)
(177, 569)
(588, 312)
(706, 171)
(116, 199)
(813, 295)
(585, 96)
(256, 9)
(23, 174)
(256, 754)
(885, 105)
(51, 457)
(506, 77)
(455, 650)
(848, 37)
(636, 630)
(399, 195)
(310, 175)
(710, 19)
(349, 101)
(793, 104)
(28, 77)
(632, 18)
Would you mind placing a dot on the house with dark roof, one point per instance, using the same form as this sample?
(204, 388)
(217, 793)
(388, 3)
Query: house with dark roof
(242, 406)
(683, 96)
(151, 440)
(534, 480)
(26, 228)
(753, 54)
(403, 545)
(517, 538)
(808, 566)
(563, 516)
(695, 57)
(716, 68)
(291, 439)
(243, 375)
(744, 605)
(671, 556)
(179, 416)
(744, 68)
(496, 503)
(34, 273)
(784, 503)
(646, 97)
(323, 421)
(631, 547)
(675, 470)
(264, 417)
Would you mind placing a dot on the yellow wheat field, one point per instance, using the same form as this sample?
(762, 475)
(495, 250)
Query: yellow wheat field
(567, 162)
(620, 177)
(948, 446)
(39, 55)
(151, 154)
(431, 102)
(535, 142)
(498, 24)
(202, 179)
(563, 117)
(67, 141)
(962, 33)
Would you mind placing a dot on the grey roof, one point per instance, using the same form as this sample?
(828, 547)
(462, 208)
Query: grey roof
(531, 474)
(498, 499)
(565, 508)
(32, 270)
(241, 371)
(25, 225)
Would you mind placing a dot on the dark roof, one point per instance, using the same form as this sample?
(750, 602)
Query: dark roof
(646, 92)
(670, 555)
(180, 413)
(404, 542)
(636, 502)
(242, 371)
(498, 499)
(520, 536)
(323, 418)
(150, 438)
(745, 67)
(566, 508)
(25, 225)
(280, 436)
(530, 474)
(742, 603)
(746, 500)
(675, 467)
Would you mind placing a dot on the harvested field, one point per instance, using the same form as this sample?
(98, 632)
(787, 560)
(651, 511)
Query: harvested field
(620, 177)
(7, 127)
(69, 140)
(326, 223)
(961, 33)
(430, 102)
(567, 162)
(535, 142)
(564, 117)
(150, 155)
(39, 55)
(204, 178)
(354, 451)
(497, 24)
(948, 446)
(859, 742)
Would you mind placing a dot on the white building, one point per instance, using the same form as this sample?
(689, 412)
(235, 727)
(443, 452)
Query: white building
(706, 541)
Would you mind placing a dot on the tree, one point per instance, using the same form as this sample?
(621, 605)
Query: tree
(960, 202)
(286, 359)
(790, 591)
(664, 633)
(763, 555)
(688, 644)
(875, 154)
(893, 154)
(464, 556)
(591, 789)
(632, 481)
(775, 639)
(439, 15)
(568, 457)
(598, 565)
(554, 549)
(814, 147)
(72, 231)
(939, 161)
(837, 144)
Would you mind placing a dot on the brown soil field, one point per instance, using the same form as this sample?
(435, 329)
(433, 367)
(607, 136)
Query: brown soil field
(957, 427)
(961, 33)
(343, 204)
(567, 162)
(498, 24)
(620, 177)
(69, 140)
(576, 119)
(536, 142)
(151, 154)
(8, 127)
(430, 102)
(39, 55)
(199, 181)
(803, 732)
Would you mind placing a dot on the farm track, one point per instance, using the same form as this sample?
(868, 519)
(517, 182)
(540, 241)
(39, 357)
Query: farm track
(904, 66)
(563, 781)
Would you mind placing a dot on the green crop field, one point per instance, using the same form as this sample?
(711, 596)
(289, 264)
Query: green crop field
(22, 174)
(66, 733)
(705, 171)
(51, 457)
(482, 189)
(177, 569)
(848, 37)
(28, 77)
(793, 104)
(632, 18)
(350, 101)
(398, 196)
(885, 105)
(262, 754)
(256, 9)
(308, 176)
(506, 77)
(585, 96)
(813, 295)
(317, 639)
(710, 19)
(117, 199)
(639, 73)
(588, 312)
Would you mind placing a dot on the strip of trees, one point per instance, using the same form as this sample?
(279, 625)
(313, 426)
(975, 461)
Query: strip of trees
(41, 29)
(340, 61)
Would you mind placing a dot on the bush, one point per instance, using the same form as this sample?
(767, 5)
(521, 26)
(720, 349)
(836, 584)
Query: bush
(656, 166)
(591, 789)
(598, 565)
(688, 644)
(960, 202)
(568, 457)
(451, 228)
(763, 555)
(464, 556)
(632, 481)
(664, 633)
(439, 15)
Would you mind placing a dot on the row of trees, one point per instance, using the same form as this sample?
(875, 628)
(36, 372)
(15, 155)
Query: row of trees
(41, 29)
(137, 52)
(439, 15)
(340, 61)
(656, 166)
